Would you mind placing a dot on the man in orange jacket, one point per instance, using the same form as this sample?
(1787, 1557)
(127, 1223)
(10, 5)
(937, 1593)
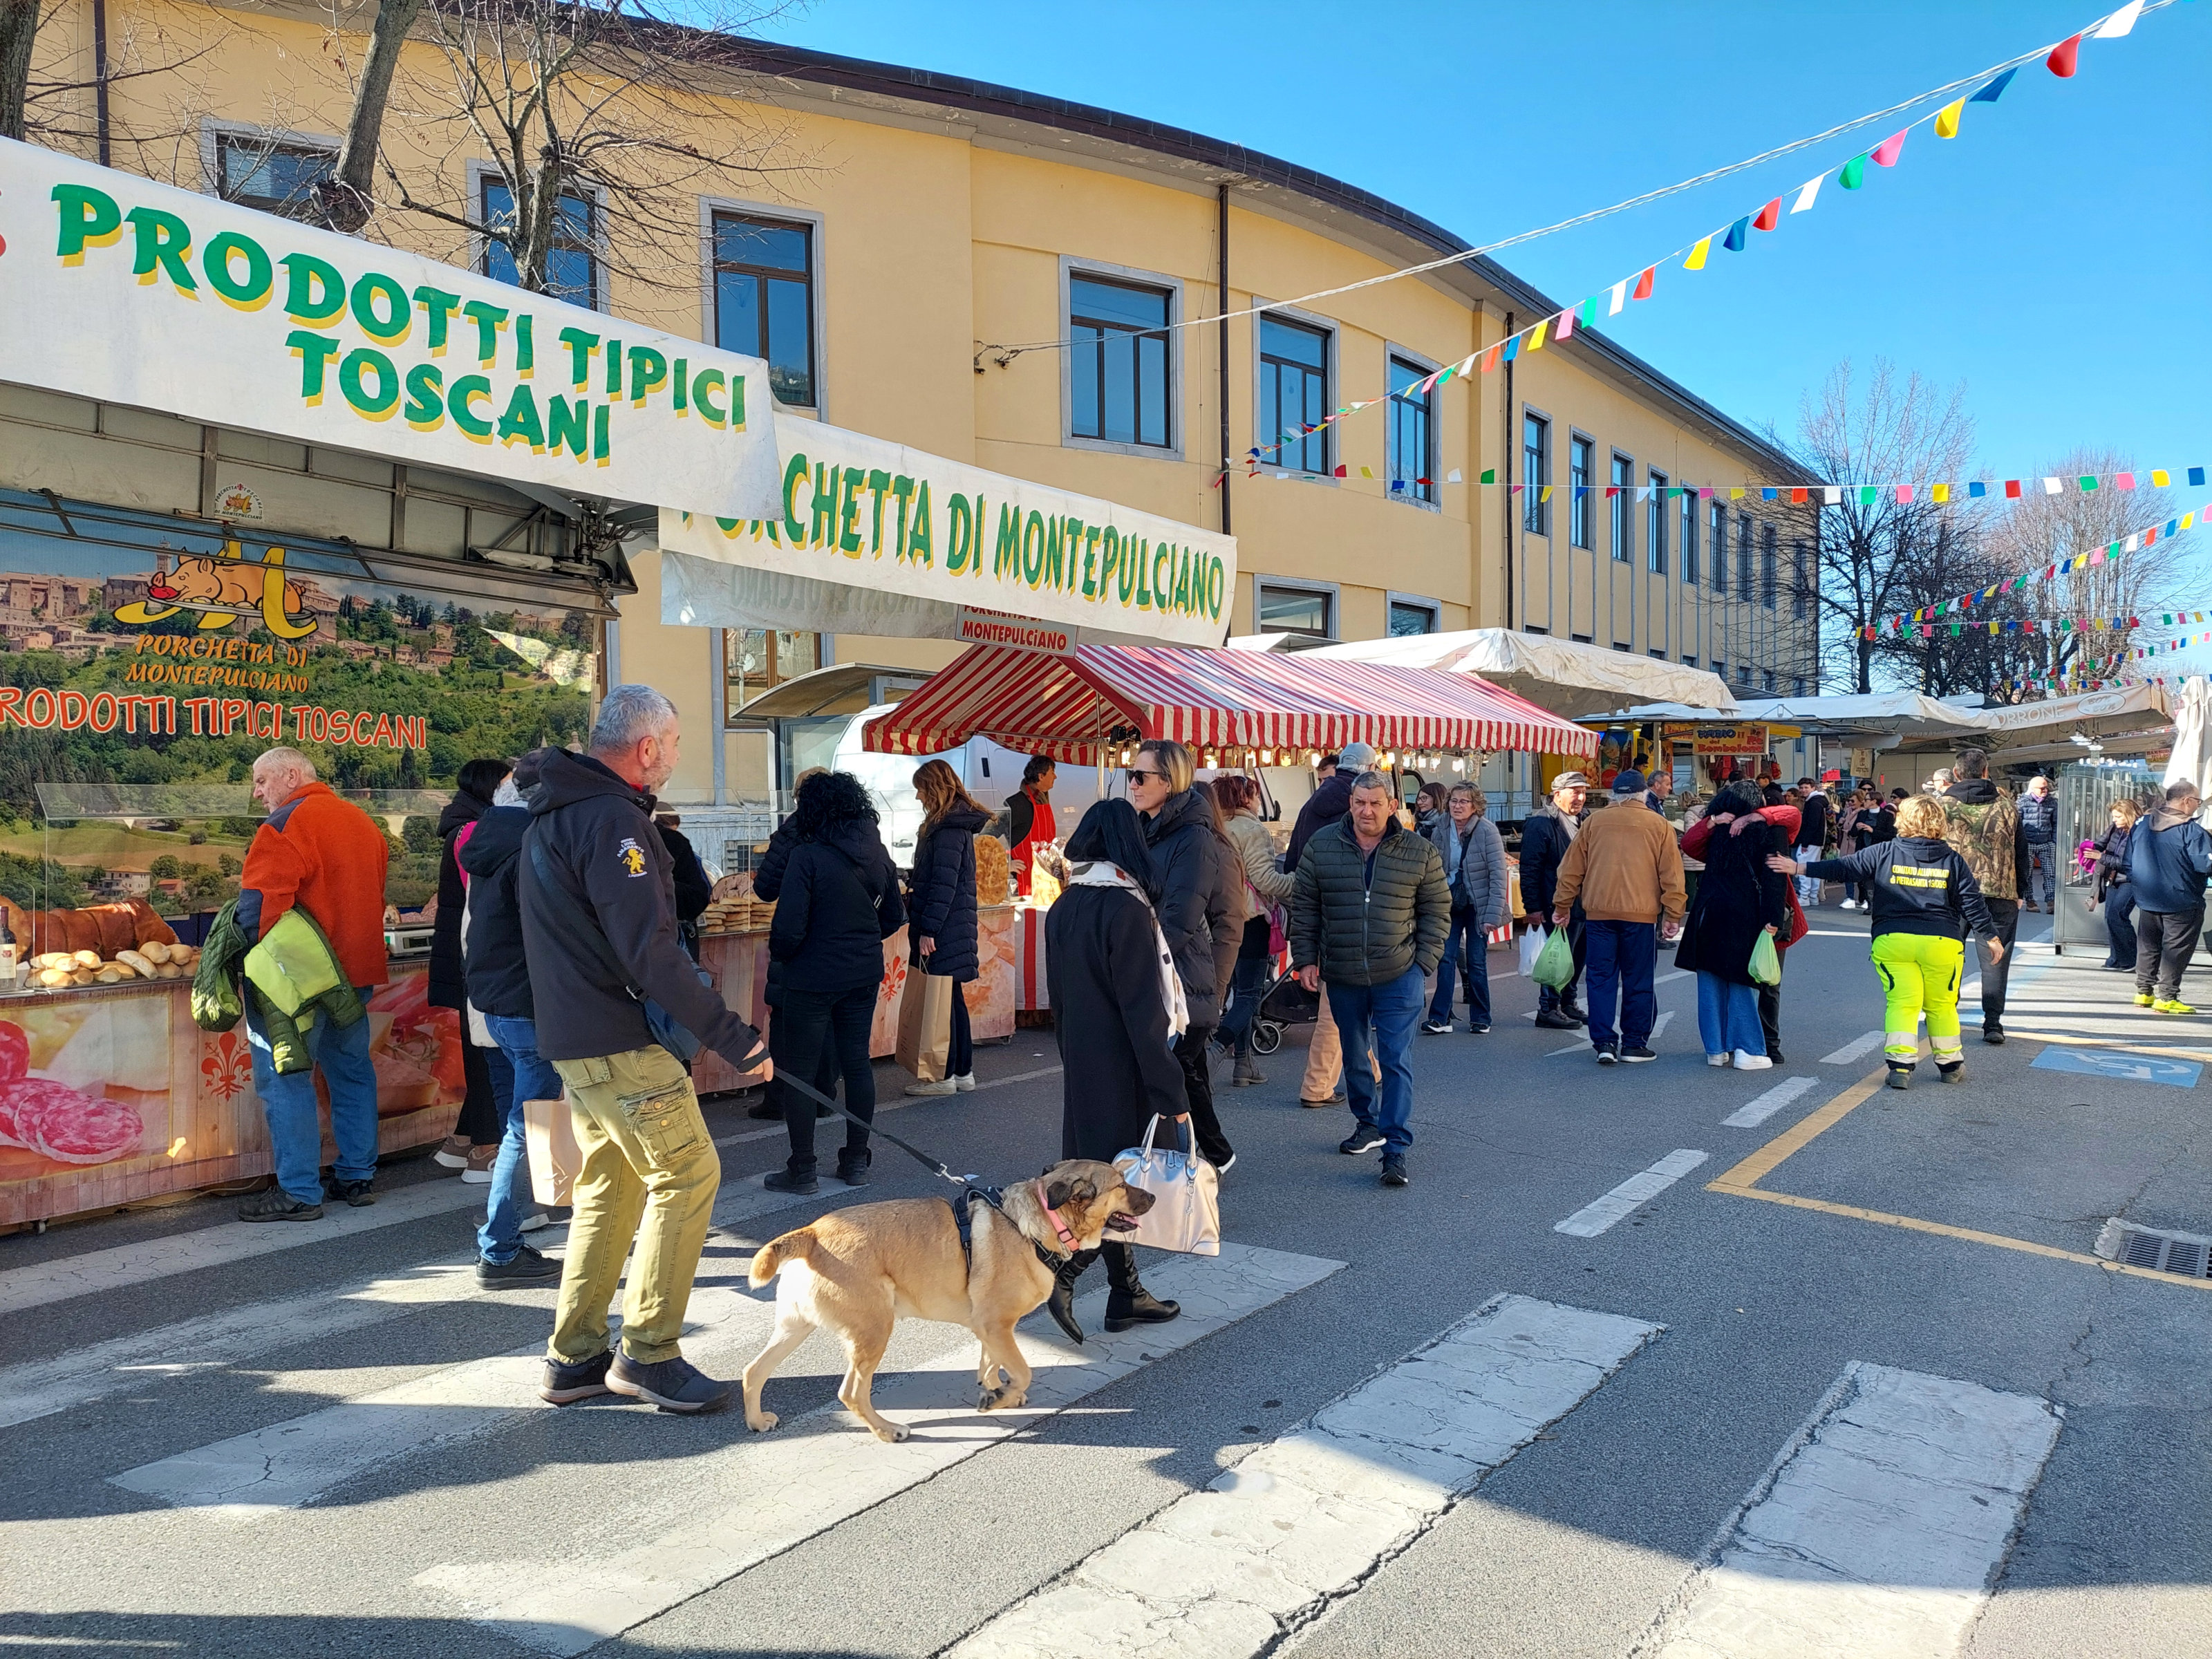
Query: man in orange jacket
(326, 857)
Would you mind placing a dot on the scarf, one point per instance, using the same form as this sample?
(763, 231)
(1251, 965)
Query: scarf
(1101, 872)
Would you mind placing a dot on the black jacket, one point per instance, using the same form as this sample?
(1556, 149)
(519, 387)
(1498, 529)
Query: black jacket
(611, 870)
(1738, 897)
(840, 903)
(1921, 885)
(768, 874)
(498, 974)
(1544, 843)
(1326, 805)
(1365, 921)
(1194, 909)
(941, 902)
(1815, 818)
(447, 986)
(694, 886)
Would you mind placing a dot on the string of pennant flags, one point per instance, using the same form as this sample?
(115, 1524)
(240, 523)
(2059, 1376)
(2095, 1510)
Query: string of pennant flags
(1817, 495)
(2061, 60)
(2111, 552)
(2050, 624)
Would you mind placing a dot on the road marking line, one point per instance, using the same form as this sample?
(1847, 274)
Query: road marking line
(1668, 979)
(1875, 1532)
(1234, 1568)
(822, 1469)
(40, 1387)
(1856, 1049)
(123, 1265)
(1596, 1217)
(1763, 1163)
(1756, 1110)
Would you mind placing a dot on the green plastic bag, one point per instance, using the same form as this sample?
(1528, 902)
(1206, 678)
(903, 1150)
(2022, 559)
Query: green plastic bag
(1555, 963)
(1766, 960)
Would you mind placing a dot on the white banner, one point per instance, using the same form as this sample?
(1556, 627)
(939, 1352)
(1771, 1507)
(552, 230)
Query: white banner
(118, 289)
(866, 512)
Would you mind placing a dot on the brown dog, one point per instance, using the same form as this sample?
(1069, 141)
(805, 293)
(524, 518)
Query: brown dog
(860, 1271)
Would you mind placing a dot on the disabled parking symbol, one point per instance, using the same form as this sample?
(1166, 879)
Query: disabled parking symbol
(2120, 1067)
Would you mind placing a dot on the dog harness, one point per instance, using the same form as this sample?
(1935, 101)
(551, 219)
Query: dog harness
(963, 1218)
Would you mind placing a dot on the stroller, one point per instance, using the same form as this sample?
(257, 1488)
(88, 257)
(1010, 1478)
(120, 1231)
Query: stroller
(1283, 1001)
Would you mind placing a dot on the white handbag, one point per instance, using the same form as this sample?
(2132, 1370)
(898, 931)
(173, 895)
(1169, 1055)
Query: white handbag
(1532, 946)
(1186, 1212)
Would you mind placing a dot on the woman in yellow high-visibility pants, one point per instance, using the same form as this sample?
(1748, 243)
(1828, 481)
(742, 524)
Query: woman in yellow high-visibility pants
(1925, 902)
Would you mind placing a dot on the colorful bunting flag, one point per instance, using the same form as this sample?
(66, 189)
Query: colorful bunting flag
(1947, 119)
(1619, 298)
(1643, 282)
(1885, 154)
(2119, 23)
(1736, 237)
(1995, 90)
(1768, 217)
(1697, 259)
(2061, 61)
(1805, 192)
(1853, 172)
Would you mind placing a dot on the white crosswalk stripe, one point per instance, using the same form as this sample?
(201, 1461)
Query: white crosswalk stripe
(820, 1469)
(1858, 1049)
(1229, 1570)
(1625, 1199)
(1877, 1530)
(1759, 1108)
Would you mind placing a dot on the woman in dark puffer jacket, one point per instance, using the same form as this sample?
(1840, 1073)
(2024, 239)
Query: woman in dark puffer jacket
(941, 910)
(474, 1145)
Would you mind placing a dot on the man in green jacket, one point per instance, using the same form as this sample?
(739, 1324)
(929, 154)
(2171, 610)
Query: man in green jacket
(1369, 915)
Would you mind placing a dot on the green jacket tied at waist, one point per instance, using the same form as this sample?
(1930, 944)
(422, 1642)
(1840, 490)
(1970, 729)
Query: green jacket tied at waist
(292, 975)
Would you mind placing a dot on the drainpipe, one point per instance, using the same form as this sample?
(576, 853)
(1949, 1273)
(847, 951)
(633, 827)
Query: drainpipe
(1221, 236)
(99, 75)
(1512, 541)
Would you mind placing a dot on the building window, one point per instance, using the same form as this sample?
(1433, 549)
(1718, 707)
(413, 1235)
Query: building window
(1624, 509)
(1294, 394)
(1720, 669)
(275, 178)
(572, 265)
(764, 299)
(1535, 473)
(1718, 541)
(1583, 638)
(1412, 433)
(1582, 475)
(1801, 580)
(1767, 682)
(1409, 617)
(1118, 362)
(1655, 527)
(1766, 566)
(1743, 673)
(1285, 609)
(1689, 662)
(754, 661)
(1743, 570)
(1798, 685)
(1689, 536)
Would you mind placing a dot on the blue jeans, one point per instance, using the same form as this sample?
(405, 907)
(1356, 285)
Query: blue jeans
(2041, 875)
(1728, 1015)
(519, 1072)
(1380, 1020)
(1465, 946)
(1235, 1031)
(1622, 955)
(296, 1130)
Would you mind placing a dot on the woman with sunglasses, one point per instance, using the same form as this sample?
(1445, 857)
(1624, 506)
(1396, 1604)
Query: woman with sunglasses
(1200, 881)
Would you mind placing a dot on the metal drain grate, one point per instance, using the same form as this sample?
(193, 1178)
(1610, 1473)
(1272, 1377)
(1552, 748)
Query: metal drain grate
(2188, 1255)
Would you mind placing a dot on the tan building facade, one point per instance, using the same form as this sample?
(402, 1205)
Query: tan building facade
(1002, 278)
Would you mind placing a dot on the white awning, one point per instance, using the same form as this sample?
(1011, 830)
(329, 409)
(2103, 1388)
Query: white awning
(1564, 676)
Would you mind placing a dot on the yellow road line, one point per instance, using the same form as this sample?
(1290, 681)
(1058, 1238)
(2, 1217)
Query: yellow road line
(1764, 1161)
(2113, 1043)
(1942, 1229)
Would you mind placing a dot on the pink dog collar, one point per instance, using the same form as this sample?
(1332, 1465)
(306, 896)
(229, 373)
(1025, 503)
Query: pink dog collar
(1053, 1215)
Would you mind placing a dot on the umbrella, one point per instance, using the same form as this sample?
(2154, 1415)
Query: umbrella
(2192, 738)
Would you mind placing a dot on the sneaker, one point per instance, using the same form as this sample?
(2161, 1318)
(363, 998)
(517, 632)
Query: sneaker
(1436, 1027)
(1775, 1055)
(2144, 1000)
(783, 1181)
(531, 1224)
(942, 1086)
(477, 1169)
(1608, 1054)
(2170, 1005)
(1479, 1030)
(965, 1082)
(1224, 1168)
(1553, 1020)
(674, 1385)
(454, 1154)
(528, 1267)
(1639, 1053)
(1393, 1172)
(1336, 1098)
(1358, 1141)
(1900, 1077)
(277, 1205)
(1716, 1060)
(1993, 1033)
(358, 1194)
(565, 1385)
(1746, 1061)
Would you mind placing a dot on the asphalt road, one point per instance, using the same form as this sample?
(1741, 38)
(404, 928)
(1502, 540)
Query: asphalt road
(1874, 1395)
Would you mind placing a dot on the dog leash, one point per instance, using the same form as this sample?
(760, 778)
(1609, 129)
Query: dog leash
(934, 1166)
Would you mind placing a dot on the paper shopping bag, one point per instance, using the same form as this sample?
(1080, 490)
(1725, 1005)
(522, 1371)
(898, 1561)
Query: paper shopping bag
(549, 1133)
(1186, 1212)
(925, 1030)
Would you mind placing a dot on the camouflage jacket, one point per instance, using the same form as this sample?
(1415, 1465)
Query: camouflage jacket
(1982, 821)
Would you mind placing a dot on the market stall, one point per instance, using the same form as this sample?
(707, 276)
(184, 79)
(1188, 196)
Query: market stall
(1233, 708)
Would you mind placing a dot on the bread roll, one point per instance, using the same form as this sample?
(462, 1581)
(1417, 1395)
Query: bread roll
(184, 955)
(88, 958)
(155, 952)
(52, 977)
(168, 970)
(82, 976)
(110, 972)
(137, 963)
(53, 959)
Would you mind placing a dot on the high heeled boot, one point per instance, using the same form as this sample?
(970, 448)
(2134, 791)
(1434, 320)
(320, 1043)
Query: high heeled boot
(1128, 1303)
(1060, 1304)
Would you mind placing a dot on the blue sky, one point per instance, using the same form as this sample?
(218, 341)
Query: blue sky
(2051, 258)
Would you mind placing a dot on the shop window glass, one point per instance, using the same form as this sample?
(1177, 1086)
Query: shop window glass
(756, 660)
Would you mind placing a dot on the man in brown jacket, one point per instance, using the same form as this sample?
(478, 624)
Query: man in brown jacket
(1626, 868)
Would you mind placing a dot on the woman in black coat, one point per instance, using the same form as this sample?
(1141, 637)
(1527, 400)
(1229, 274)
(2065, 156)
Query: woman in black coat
(941, 908)
(475, 1140)
(1105, 977)
(840, 900)
(1738, 899)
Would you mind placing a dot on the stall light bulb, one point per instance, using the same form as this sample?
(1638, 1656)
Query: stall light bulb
(1313, 758)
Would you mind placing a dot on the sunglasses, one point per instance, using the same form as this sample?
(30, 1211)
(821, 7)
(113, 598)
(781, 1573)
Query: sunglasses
(1138, 774)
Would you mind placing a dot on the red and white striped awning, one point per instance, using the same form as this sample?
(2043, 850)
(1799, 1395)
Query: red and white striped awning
(1070, 706)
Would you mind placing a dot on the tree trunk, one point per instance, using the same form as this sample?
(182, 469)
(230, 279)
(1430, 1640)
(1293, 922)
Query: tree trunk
(347, 197)
(19, 28)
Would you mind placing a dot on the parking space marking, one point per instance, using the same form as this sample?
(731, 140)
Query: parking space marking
(1625, 1199)
(1756, 1110)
